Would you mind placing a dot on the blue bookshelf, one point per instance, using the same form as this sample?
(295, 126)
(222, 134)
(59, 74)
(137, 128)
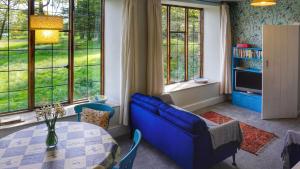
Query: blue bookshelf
(253, 70)
(246, 60)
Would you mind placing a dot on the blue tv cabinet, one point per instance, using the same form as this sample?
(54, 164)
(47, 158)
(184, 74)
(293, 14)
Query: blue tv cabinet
(248, 60)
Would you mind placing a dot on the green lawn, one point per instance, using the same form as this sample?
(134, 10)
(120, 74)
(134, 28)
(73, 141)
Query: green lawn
(51, 83)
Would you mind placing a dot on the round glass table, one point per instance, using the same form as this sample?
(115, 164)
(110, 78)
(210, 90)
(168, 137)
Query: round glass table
(80, 145)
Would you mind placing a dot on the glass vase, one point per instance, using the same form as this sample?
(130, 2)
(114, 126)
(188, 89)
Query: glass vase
(52, 139)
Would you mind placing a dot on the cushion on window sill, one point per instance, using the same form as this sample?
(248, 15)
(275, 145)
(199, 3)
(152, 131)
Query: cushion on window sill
(99, 118)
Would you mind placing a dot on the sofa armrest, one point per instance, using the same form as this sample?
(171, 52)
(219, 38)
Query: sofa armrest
(226, 133)
(167, 98)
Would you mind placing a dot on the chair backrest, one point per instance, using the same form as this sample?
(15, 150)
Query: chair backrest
(95, 106)
(127, 161)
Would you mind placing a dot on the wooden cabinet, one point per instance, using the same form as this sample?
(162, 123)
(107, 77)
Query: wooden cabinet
(281, 51)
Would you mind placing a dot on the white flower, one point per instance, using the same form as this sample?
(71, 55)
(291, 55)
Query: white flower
(50, 112)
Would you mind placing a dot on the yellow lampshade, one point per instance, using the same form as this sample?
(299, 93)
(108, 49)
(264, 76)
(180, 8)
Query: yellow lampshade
(46, 36)
(263, 2)
(46, 22)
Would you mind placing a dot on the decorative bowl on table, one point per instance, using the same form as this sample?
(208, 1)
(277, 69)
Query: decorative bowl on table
(98, 99)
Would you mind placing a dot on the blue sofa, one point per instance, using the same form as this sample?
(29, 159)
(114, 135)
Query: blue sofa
(291, 150)
(181, 135)
(294, 154)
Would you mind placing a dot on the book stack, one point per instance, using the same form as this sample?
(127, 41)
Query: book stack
(247, 53)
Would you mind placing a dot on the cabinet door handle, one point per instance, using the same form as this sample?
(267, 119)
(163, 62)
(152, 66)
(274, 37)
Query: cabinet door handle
(267, 63)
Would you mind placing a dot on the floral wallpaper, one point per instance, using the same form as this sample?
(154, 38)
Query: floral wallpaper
(247, 20)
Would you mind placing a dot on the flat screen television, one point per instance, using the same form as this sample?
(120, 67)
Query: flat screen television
(248, 81)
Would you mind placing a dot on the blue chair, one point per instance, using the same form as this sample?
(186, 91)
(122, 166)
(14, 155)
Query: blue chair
(127, 161)
(95, 106)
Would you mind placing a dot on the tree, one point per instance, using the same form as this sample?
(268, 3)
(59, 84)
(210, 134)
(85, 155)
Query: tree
(87, 18)
(3, 17)
(19, 18)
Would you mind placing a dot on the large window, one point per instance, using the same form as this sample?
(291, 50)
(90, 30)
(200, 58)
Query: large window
(87, 48)
(182, 43)
(32, 75)
(51, 60)
(13, 55)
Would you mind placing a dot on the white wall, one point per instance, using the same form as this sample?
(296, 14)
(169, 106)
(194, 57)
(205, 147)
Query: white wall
(198, 97)
(212, 58)
(206, 95)
(211, 35)
(192, 98)
(113, 46)
(113, 34)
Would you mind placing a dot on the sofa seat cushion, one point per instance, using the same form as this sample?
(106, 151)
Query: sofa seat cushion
(183, 119)
(150, 103)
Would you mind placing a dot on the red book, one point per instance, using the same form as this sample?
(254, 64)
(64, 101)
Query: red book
(243, 45)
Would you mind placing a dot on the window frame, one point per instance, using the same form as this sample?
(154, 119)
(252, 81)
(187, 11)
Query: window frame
(31, 58)
(186, 44)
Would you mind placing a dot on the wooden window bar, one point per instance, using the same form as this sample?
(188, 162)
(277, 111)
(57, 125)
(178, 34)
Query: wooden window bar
(186, 39)
(31, 58)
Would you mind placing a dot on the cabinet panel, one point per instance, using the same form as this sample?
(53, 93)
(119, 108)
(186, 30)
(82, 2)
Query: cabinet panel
(293, 69)
(283, 72)
(280, 71)
(270, 67)
(247, 100)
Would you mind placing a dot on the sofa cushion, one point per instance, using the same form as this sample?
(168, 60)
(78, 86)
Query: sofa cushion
(145, 105)
(148, 102)
(208, 123)
(183, 119)
(148, 99)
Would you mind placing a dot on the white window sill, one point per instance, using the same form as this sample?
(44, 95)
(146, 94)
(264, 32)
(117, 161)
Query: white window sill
(30, 117)
(185, 85)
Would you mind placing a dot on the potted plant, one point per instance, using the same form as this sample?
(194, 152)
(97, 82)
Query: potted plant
(50, 114)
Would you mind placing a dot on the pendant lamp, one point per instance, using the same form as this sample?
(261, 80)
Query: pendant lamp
(46, 28)
(263, 2)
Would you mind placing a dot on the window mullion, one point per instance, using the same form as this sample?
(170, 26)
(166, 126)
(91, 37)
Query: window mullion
(201, 42)
(168, 44)
(102, 22)
(71, 52)
(31, 58)
(186, 44)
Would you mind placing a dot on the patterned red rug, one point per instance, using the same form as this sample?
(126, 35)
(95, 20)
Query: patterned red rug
(254, 139)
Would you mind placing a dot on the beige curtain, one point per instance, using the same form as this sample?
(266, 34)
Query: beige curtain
(142, 67)
(155, 78)
(225, 44)
(133, 53)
